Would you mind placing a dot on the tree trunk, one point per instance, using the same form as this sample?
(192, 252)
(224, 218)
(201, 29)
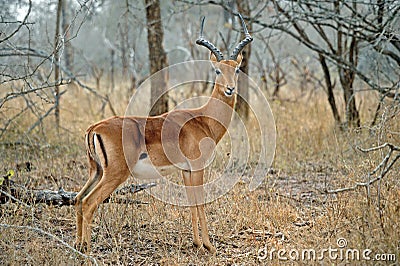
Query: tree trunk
(157, 57)
(68, 50)
(125, 41)
(242, 106)
(329, 89)
(57, 66)
(347, 80)
(124, 52)
(347, 76)
(112, 71)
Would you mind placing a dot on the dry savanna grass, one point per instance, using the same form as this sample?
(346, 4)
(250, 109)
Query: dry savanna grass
(289, 212)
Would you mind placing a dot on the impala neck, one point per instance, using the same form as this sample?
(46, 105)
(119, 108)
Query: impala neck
(218, 112)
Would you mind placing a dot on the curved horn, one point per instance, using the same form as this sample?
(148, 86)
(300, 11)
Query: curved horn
(209, 45)
(248, 39)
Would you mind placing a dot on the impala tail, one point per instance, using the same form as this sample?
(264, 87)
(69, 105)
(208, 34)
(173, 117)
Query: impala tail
(95, 147)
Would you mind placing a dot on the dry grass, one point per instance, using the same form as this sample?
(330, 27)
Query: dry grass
(288, 211)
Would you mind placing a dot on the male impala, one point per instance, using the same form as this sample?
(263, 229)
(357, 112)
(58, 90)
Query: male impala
(153, 146)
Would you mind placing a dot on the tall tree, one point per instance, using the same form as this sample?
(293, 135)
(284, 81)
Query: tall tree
(347, 48)
(242, 106)
(57, 65)
(157, 57)
(124, 29)
(66, 16)
(336, 30)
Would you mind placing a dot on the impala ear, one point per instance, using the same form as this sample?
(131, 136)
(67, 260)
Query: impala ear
(213, 58)
(239, 59)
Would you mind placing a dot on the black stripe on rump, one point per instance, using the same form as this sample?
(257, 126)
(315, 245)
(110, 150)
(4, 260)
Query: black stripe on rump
(103, 150)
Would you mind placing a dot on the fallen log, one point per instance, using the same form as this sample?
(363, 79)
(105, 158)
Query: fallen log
(9, 190)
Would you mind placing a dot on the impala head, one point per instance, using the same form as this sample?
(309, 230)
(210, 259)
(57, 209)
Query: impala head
(227, 70)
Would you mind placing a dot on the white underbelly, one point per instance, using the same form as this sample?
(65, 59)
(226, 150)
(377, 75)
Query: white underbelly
(144, 169)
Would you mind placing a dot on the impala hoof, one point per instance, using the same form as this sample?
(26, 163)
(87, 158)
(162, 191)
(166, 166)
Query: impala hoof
(82, 247)
(210, 248)
(197, 244)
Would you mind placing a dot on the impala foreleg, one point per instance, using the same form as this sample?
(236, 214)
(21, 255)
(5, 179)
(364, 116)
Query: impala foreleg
(195, 193)
(193, 208)
(204, 230)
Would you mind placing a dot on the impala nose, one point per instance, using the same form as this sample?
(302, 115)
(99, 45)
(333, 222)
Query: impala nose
(229, 91)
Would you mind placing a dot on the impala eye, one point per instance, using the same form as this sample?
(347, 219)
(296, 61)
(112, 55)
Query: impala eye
(217, 71)
(237, 70)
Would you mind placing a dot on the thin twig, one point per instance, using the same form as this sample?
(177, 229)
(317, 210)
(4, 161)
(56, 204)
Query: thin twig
(20, 25)
(40, 231)
(14, 198)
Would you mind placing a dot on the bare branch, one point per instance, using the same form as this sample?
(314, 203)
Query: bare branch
(20, 25)
(391, 146)
(385, 165)
(42, 232)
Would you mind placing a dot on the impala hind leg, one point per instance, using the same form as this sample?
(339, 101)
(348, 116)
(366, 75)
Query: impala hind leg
(107, 184)
(95, 173)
